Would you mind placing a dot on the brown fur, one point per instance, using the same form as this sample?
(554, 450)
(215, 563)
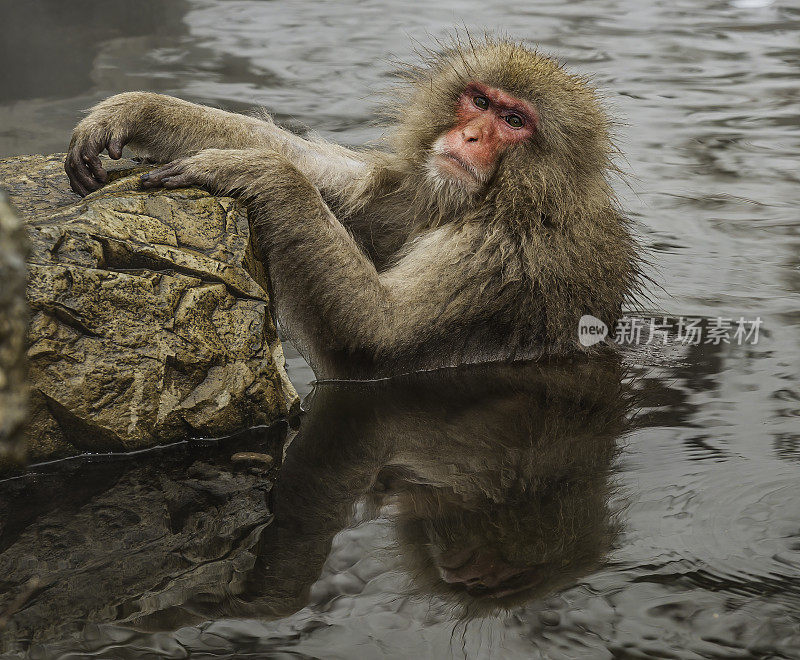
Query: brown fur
(379, 267)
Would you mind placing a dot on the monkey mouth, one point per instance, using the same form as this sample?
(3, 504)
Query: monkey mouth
(523, 582)
(457, 167)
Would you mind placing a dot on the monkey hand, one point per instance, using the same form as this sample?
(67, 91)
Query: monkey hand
(213, 169)
(109, 126)
(220, 171)
(83, 166)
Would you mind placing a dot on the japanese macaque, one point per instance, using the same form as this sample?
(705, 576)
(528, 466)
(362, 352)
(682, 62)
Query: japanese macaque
(485, 232)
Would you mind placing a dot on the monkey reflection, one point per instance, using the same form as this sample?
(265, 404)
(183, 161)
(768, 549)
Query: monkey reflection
(498, 477)
(495, 479)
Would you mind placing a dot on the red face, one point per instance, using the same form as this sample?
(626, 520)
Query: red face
(483, 574)
(488, 122)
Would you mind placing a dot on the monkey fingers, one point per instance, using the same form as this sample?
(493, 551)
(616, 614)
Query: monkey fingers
(115, 147)
(84, 167)
(171, 175)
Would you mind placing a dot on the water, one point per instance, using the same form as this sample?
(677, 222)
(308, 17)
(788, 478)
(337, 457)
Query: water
(684, 543)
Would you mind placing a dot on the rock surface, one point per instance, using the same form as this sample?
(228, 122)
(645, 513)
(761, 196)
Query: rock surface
(149, 314)
(13, 320)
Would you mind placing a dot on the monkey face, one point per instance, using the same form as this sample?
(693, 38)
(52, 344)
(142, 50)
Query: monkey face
(484, 573)
(492, 555)
(498, 128)
(488, 121)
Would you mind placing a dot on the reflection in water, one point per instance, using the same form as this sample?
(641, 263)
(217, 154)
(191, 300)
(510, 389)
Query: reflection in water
(495, 480)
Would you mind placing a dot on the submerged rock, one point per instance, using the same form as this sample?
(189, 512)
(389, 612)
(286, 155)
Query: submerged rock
(150, 317)
(13, 319)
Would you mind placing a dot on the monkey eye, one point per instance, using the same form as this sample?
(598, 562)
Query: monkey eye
(481, 102)
(515, 121)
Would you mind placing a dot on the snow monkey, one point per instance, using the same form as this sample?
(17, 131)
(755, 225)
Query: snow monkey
(483, 232)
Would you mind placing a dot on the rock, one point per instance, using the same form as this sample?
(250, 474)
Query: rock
(150, 318)
(13, 320)
(252, 457)
(253, 461)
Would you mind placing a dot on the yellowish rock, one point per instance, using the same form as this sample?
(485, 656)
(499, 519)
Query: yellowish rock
(150, 317)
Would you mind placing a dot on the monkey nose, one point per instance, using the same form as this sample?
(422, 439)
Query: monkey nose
(471, 133)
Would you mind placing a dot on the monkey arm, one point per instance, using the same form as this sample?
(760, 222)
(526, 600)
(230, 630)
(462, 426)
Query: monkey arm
(163, 128)
(349, 319)
(328, 293)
